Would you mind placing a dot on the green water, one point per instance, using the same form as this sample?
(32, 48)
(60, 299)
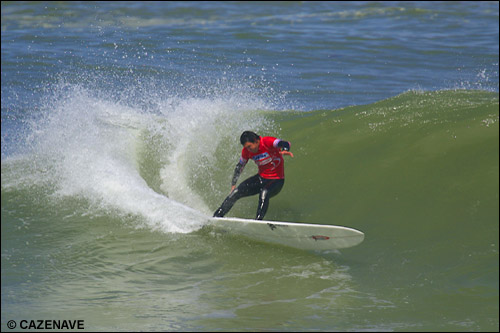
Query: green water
(417, 173)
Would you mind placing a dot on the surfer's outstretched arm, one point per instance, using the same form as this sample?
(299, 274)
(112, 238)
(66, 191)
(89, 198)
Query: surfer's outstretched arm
(237, 172)
(284, 146)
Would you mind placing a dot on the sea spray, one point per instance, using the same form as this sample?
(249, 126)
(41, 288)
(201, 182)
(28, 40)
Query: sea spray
(140, 156)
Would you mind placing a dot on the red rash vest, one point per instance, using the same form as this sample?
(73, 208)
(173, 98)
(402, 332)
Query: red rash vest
(268, 158)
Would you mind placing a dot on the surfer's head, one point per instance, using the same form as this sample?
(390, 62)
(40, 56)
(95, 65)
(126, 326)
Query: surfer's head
(250, 141)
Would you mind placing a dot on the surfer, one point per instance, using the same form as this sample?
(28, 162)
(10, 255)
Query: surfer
(267, 152)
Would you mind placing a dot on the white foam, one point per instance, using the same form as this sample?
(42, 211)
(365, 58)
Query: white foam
(94, 145)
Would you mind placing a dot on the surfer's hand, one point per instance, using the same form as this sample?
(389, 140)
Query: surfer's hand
(232, 189)
(285, 152)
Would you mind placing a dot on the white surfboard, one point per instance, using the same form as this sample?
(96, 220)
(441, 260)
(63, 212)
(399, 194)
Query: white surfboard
(298, 235)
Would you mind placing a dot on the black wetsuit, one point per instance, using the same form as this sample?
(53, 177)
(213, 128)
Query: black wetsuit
(267, 188)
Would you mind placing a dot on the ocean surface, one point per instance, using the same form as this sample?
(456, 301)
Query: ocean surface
(120, 133)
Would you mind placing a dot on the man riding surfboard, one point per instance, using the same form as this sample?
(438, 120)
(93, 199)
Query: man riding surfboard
(267, 152)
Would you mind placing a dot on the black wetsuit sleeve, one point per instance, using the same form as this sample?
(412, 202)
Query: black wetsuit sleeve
(237, 172)
(284, 145)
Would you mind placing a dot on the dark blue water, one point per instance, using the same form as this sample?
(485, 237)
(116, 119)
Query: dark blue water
(318, 54)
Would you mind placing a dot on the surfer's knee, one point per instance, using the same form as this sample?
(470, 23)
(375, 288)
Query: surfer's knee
(234, 195)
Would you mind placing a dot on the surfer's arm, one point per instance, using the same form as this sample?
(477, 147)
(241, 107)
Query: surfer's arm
(284, 146)
(237, 172)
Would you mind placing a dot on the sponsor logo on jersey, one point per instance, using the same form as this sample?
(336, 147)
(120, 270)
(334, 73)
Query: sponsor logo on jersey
(262, 159)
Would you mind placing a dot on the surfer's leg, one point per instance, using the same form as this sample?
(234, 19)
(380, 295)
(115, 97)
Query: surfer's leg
(251, 186)
(270, 188)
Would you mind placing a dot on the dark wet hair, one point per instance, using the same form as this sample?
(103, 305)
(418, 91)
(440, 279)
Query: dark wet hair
(248, 136)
